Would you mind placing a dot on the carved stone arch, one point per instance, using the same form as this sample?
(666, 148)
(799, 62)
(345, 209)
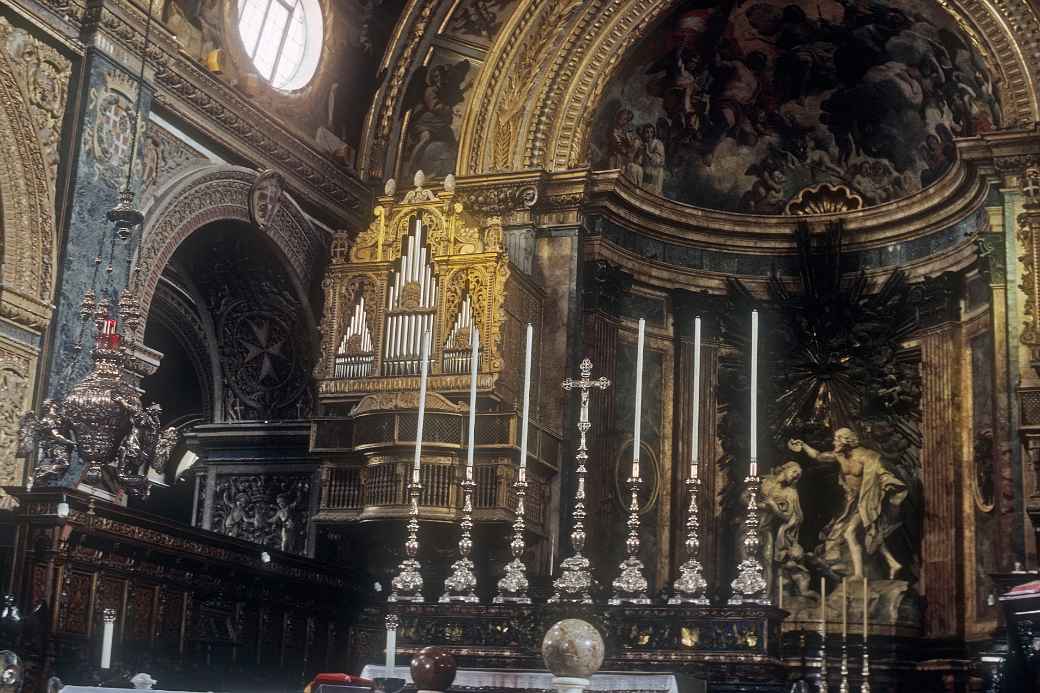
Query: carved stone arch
(214, 193)
(28, 248)
(29, 114)
(575, 47)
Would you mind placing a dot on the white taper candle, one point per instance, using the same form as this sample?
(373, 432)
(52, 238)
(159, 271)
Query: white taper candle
(636, 429)
(527, 403)
(695, 425)
(391, 651)
(108, 630)
(474, 356)
(423, 372)
(754, 393)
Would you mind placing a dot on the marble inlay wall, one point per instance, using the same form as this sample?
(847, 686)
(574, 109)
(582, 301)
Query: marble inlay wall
(100, 171)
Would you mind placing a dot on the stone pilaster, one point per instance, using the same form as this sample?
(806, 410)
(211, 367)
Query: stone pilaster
(941, 352)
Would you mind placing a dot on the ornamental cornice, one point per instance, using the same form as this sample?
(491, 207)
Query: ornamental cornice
(951, 199)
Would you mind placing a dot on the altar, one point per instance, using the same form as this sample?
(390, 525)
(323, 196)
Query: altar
(531, 680)
(724, 647)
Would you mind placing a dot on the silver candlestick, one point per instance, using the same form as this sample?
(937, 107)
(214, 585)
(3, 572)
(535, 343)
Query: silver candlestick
(408, 584)
(865, 686)
(749, 587)
(512, 588)
(690, 585)
(460, 585)
(575, 581)
(631, 585)
(843, 687)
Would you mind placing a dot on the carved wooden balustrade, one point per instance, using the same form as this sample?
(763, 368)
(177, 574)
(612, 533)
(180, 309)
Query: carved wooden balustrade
(373, 485)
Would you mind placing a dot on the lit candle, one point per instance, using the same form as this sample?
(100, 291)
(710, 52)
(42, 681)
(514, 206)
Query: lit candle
(866, 607)
(754, 393)
(527, 404)
(639, 400)
(844, 607)
(474, 356)
(108, 629)
(823, 606)
(423, 372)
(694, 452)
(780, 591)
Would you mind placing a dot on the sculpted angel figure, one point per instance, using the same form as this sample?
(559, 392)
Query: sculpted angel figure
(872, 494)
(283, 522)
(51, 432)
(237, 520)
(783, 511)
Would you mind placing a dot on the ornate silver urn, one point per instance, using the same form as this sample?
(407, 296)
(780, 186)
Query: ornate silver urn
(101, 421)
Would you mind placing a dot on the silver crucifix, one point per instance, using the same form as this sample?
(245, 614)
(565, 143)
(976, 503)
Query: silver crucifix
(575, 581)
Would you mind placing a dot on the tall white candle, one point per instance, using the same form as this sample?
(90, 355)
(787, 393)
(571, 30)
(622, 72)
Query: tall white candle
(639, 400)
(754, 393)
(423, 372)
(527, 403)
(108, 629)
(823, 605)
(391, 652)
(694, 450)
(474, 356)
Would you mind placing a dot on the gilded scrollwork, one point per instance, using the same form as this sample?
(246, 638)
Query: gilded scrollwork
(467, 261)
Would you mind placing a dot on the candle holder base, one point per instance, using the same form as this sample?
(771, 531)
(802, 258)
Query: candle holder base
(575, 582)
(689, 587)
(460, 585)
(512, 588)
(630, 586)
(408, 584)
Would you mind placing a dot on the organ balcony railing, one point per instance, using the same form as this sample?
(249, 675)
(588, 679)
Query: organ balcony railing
(369, 461)
(378, 490)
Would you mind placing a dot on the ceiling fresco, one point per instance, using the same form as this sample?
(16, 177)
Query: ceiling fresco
(739, 106)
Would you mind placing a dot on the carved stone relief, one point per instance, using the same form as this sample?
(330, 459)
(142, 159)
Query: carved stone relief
(15, 374)
(164, 156)
(30, 80)
(42, 74)
(267, 509)
(109, 134)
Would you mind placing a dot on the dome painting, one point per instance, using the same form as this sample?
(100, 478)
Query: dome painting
(740, 106)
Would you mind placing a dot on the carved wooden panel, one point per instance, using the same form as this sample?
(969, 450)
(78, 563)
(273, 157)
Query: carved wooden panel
(140, 607)
(75, 613)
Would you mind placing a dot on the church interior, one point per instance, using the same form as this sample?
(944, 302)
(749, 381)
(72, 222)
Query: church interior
(520, 345)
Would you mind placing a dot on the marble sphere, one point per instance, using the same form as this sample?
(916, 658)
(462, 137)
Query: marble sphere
(572, 648)
(433, 669)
